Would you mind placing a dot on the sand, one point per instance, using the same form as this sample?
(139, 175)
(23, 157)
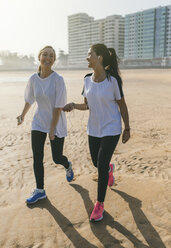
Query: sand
(137, 208)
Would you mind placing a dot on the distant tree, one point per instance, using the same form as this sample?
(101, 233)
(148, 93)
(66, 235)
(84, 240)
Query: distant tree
(62, 59)
(13, 60)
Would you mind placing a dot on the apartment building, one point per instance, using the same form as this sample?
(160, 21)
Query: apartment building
(142, 35)
(148, 34)
(168, 32)
(83, 31)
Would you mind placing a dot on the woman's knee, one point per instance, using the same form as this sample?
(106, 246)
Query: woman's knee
(57, 160)
(60, 160)
(103, 167)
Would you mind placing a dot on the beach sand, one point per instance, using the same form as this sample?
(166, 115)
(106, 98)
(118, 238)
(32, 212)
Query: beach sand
(137, 208)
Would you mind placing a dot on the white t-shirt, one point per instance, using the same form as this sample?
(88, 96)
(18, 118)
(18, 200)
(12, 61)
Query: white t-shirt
(104, 115)
(49, 93)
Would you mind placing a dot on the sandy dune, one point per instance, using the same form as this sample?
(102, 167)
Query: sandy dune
(137, 209)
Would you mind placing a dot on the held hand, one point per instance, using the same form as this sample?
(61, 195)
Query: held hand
(51, 135)
(125, 136)
(68, 107)
(20, 120)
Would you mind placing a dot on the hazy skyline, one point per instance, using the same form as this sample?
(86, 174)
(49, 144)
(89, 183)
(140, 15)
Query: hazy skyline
(28, 25)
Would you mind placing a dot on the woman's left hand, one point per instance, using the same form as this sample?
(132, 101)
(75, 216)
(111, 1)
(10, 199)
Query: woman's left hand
(68, 107)
(51, 135)
(125, 136)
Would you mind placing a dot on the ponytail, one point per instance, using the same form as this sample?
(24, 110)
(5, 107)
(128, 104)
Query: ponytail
(113, 68)
(110, 60)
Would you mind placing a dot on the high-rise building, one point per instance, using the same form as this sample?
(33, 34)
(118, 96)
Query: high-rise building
(113, 33)
(84, 31)
(168, 32)
(79, 35)
(148, 34)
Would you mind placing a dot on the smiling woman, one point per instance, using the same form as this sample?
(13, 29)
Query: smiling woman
(48, 89)
(104, 98)
(47, 56)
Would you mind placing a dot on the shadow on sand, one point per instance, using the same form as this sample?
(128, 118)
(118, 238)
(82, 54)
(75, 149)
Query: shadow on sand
(100, 229)
(143, 224)
(66, 226)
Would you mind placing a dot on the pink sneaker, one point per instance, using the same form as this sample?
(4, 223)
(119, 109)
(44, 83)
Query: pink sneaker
(111, 179)
(97, 213)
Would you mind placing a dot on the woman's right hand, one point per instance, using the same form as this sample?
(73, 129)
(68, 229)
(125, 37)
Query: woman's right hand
(20, 120)
(68, 107)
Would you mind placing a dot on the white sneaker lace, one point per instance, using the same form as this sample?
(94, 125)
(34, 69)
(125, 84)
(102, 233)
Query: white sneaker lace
(69, 172)
(35, 192)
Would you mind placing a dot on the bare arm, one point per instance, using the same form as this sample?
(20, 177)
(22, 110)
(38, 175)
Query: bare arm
(124, 112)
(55, 119)
(26, 108)
(125, 116)
(82, 106)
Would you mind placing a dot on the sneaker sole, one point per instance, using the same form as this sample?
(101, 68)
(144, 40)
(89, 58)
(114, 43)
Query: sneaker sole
(113, 169)
(41, 198)
(93, 220)
(112, 183)
(70, 180)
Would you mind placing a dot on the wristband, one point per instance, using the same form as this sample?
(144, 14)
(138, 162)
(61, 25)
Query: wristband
(127, 129)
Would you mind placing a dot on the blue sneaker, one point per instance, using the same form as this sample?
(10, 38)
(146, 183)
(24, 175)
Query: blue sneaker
(69, 173)
(37, 194)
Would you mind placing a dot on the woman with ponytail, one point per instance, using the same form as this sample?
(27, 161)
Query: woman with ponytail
(47, 88)
(103, 97)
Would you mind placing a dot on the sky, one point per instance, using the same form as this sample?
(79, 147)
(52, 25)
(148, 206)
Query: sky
(26, 26)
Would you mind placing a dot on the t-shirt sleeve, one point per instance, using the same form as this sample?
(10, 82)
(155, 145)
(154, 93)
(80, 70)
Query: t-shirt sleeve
(29, 92)
(61, 95)
(118, 92)
(83, 91)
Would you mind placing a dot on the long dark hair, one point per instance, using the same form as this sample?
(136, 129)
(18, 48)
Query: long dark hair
(110, 60)
(114, 61)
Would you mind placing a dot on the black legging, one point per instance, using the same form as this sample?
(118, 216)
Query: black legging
(101, 150)
(38, 140)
